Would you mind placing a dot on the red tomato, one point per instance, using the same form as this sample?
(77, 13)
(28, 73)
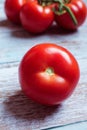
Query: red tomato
(36, 18)
(79, 10)
(12, 9)
(48, 73)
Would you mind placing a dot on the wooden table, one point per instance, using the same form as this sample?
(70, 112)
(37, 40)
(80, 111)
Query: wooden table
(17, 112)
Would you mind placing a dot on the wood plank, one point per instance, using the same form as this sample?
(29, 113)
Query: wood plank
(14, 47)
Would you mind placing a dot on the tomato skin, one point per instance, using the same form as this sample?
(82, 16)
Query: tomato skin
(44, 86)
(79, 9)
(35, 18)
(12, 10)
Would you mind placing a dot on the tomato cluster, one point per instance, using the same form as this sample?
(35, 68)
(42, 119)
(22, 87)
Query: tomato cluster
(37, 16)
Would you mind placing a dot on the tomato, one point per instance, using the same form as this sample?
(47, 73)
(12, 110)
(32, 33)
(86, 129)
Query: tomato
(36, 18)
(12, 9)
(48, 73)
(79, 10)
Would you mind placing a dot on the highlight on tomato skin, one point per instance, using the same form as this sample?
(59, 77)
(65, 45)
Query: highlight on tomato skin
(48, 73)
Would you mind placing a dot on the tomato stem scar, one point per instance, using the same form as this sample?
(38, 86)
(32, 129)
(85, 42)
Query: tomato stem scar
(49, 71)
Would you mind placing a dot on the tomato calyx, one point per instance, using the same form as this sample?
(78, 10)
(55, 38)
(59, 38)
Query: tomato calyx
(49, 71)
(45, 2)
(61, 8)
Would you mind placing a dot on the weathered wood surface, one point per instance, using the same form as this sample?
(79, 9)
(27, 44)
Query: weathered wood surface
(17, 112)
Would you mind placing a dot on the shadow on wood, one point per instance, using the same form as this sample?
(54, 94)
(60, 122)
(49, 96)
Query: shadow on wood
(55, 29)
(18, 31)
(7, 24)
(22, 107)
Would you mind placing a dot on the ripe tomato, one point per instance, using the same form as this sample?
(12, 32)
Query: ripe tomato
(79, 10)
(12, 9)
(35, 18)
(48, 73)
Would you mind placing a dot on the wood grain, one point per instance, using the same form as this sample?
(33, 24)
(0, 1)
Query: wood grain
(17, 112)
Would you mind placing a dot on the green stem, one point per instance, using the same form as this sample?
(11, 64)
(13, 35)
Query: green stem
(71, 14)
(61, 6)
(66, 1)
